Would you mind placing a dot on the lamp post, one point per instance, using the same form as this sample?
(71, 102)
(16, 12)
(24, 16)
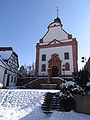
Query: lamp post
(74, 69)
(63, 69)
(49, 75)
(83, 60)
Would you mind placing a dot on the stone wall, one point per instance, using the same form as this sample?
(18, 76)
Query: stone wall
(82, 103)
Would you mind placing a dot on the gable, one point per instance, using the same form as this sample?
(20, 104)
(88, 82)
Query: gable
(5, 55)
(55, 33)
(55, 42)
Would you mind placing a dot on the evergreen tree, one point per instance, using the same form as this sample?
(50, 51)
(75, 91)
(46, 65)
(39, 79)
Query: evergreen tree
(81, 77)
(23, 71)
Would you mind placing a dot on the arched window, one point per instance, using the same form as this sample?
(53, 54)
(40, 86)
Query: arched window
(67, 66)
(43, 67)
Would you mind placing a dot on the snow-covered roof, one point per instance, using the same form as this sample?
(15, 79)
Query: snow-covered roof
(5, 54)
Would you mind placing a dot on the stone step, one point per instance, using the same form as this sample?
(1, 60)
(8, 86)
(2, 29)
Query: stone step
(51, 103)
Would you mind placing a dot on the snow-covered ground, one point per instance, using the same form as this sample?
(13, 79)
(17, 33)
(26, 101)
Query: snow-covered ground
(26, 105)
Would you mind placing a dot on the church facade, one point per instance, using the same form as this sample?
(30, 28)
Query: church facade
(57, 51)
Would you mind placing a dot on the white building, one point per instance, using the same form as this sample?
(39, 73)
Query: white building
(10, 58)
(2, 71)
(57, 50)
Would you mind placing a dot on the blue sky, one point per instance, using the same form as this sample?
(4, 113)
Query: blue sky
(24, 22)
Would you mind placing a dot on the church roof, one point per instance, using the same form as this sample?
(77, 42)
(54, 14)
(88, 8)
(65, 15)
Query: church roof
(57, 20)
(5, 48)
(5, 55)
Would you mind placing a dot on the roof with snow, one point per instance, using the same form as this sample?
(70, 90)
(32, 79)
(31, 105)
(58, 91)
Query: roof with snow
(5, 52)
(5, 55)
(5, 48)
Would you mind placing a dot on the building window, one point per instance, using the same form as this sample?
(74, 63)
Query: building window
(67, 66)
(43, 67)
(44, 57)
(66, 55)
(12, 79)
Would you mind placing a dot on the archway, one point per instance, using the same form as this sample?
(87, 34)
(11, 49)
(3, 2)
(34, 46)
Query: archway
(55, 65)
(54, 71)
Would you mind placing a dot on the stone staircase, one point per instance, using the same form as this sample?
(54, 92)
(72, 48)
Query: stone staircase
(51, 103)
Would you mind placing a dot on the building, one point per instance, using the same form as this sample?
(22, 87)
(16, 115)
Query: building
(9, 65)
(2, 70)
(57, 52)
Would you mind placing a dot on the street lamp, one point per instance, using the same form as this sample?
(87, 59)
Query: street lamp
(49, 75)
(63, 69)
(83, 60)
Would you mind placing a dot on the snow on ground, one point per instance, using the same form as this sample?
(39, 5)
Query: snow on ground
(26, 105)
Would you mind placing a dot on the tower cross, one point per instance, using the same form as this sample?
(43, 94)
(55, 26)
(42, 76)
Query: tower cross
(57, 10)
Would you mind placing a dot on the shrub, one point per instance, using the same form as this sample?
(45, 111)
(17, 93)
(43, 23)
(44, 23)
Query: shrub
(1, 85)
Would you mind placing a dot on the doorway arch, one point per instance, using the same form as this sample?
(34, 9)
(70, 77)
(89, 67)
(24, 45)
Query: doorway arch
(54, 71)
(55, 65)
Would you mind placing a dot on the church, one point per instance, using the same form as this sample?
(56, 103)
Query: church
(57, 52)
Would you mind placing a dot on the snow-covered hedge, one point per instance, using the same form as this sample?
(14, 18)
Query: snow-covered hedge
(71, 86)
(88, 84)
(67, 89)
(87, 87)
(66, 100)
(1, 85)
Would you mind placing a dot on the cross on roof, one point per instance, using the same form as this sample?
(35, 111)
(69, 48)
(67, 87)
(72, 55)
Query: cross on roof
(57, 10)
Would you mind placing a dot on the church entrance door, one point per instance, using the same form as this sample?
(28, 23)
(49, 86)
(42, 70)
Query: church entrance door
(55, 65)
(54, 71)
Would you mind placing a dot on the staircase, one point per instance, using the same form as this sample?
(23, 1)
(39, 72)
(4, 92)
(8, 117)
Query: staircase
(51, 103)
(36, 84)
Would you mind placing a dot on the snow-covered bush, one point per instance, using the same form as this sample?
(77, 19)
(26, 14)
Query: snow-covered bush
(60, 101)
(87, 87)
(71, 86)
(66, 101)
(88, 84)
(67, 89)
(1, 85)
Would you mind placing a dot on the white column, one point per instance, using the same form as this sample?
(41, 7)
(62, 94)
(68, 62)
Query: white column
(5, 80)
